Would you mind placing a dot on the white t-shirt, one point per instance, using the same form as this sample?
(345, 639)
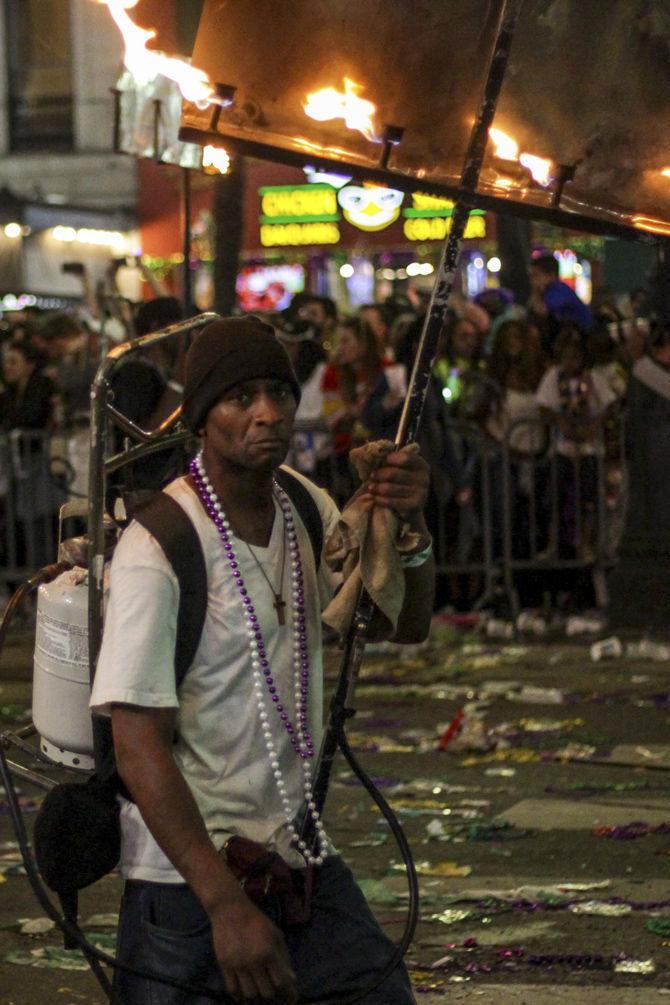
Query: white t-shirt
(598, 398)
(311, 395)
(521, 407)
(219, 747)
(310, 445)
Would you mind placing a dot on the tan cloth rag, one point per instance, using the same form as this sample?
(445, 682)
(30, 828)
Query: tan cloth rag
(367, 546)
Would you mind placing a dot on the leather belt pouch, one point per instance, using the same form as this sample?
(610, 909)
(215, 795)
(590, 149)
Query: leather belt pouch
(262, 873)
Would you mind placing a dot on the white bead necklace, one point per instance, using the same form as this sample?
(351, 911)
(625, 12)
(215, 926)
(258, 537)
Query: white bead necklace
(263, 681)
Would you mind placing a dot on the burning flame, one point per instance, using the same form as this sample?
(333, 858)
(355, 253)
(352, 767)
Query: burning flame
(539, 167)
(145, 64)
(507, 149)
(666, 172)
(215, 159)
(357, 112)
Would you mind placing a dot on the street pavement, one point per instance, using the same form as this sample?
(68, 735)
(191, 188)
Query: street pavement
(541, 833)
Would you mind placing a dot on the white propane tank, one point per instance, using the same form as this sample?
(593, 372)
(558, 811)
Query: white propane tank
(61, 688)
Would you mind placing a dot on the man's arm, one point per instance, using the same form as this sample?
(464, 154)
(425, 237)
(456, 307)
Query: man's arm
(401, 484)
(250, 949)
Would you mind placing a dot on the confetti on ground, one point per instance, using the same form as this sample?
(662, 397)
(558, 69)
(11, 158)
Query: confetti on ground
(442, 869)
(49, 958)
(521, 755)
(452, 916)
(110, 920)
(600, 907)
(35, 926)
(659, 926)
(631, 831)
(635, 967)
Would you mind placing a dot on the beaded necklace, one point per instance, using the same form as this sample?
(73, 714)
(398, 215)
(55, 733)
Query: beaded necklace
(298, 731)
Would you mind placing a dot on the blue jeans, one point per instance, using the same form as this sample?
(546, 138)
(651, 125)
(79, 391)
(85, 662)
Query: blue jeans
(164, 928)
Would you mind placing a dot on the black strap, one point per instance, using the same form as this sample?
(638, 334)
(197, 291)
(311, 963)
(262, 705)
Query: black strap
(165, 519)
(303, 500)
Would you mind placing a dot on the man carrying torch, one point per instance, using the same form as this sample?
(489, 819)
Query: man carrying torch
(221, 889)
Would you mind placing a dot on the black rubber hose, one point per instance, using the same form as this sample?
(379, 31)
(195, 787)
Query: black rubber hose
(412, 880)
(71, 931)
(95, 956)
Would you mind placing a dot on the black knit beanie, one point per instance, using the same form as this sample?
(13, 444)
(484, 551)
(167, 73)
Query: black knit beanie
(229, 352)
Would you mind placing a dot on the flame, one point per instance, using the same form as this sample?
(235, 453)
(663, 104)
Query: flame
(507, 149)
(329, 103)
(666, 172)
(215, 160)
(539, 167)
(145, 64)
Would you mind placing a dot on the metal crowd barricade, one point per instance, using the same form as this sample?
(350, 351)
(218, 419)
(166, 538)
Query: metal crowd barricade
(464, 539)
(531, 509)
(553, 505)
(30, 496)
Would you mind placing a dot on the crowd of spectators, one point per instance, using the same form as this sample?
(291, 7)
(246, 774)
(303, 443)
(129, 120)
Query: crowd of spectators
(546, 379)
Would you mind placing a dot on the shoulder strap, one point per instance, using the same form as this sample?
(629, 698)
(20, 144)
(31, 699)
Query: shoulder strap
(303, 500)
(165, 519)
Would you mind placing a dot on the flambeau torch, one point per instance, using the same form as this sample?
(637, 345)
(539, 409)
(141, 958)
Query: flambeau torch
(341, 706)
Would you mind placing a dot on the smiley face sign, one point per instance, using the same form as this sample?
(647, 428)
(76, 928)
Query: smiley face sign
(370, 207)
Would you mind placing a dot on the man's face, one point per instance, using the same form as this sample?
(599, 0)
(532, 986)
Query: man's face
(465, 339)
(250, 427)
(373, 316)
(539, 280)
(314, 312)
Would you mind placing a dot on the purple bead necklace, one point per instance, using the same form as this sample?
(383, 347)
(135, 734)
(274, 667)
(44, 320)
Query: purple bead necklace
(264, 684)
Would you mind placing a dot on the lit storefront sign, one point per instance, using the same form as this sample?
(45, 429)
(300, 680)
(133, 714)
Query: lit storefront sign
(370, 207)
(298, 215)
(429, 219)
(436, 228)
(268, 287)
(293, 215)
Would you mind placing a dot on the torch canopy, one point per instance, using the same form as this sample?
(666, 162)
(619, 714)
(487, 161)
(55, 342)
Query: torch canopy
(388, 90)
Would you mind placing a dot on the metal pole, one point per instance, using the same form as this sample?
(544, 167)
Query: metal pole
(186, 210)
(444, 280)
(100, 412)
(418, 386)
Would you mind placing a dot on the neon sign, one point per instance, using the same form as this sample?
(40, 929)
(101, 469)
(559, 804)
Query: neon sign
(370, 207)
(298, 215)
(436, 228)
(277, 235)
(429, 219)
(295, 215)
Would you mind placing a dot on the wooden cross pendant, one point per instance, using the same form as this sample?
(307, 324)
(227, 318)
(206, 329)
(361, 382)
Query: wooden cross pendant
(280, 606)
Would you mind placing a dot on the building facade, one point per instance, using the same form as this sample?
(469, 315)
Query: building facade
(72, 197)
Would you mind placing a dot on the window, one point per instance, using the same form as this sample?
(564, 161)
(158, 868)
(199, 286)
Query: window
(39, 57)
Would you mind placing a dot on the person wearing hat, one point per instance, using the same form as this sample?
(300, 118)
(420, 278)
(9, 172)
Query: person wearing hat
(312, 446)
(231, 753)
